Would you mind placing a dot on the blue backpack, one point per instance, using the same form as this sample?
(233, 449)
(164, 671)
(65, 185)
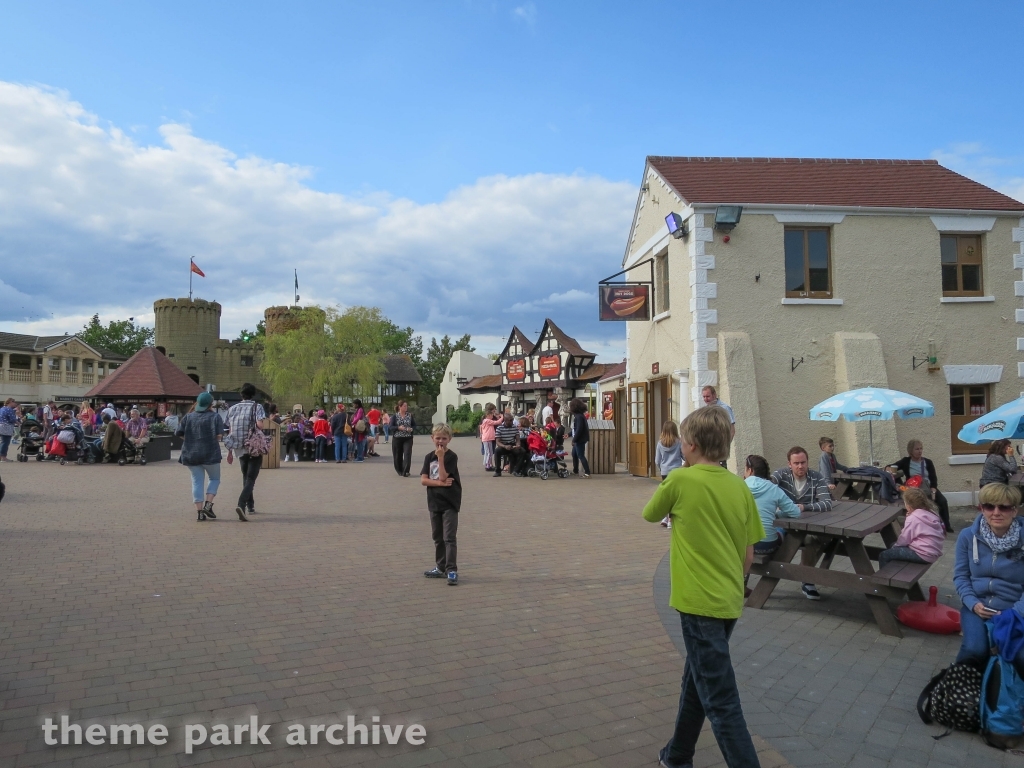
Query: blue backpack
(1002, 701)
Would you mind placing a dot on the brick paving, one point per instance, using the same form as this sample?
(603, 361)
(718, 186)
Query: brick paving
(119, 607)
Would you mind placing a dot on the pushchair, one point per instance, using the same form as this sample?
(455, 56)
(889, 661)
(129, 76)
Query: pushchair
(68, 444)
(130, 454)
(544, 457)
(31, 441)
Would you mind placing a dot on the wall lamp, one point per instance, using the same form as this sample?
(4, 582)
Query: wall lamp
(727, 217)
(676, 226)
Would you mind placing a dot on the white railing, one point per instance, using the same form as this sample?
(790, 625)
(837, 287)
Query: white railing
(54, 377)
(13, 375)
(87, 378)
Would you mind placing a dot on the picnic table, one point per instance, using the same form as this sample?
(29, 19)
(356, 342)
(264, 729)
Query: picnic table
(856, 487)
(842, 532)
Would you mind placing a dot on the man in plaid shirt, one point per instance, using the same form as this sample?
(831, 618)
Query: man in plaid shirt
(241, 419)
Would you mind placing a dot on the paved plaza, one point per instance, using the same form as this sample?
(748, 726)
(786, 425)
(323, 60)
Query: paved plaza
(553, 651)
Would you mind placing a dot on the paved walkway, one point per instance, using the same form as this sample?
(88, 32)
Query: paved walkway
(119, 608)
(825, 688)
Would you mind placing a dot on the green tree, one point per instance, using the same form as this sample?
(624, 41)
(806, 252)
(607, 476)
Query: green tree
(438, 356)
(403, 341)
(122, 336)
(257, 337)
(330, 354)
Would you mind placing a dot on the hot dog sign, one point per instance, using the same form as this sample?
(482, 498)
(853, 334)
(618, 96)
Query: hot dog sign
(625, 302)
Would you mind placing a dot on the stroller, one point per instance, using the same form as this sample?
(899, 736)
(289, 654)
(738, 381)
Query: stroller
(544, 457)
(31, 440)
(130, 454)
(68, 444)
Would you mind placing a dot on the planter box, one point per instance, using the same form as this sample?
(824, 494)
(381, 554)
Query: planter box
(159, 449)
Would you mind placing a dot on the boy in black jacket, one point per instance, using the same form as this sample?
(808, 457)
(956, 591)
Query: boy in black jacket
(440, 475)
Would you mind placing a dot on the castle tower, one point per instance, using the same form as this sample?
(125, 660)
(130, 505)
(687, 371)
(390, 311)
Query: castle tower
(281, 319)
(183, 329)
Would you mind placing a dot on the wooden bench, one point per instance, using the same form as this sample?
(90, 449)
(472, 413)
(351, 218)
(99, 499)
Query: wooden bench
(903, 576)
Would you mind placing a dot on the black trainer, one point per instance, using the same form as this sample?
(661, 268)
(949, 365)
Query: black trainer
(208, 510)
(434, 573)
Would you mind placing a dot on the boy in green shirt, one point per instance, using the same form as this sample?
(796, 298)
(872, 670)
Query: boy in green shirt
(715, 525)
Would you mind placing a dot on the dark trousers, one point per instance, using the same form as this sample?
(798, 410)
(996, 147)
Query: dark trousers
(516, 458)
(709, 690)
(321, 447)
(579, 454)
(401, 451)
(250, 466)
(443, 527)
(293, 444)
(904, 554)
(943, 505)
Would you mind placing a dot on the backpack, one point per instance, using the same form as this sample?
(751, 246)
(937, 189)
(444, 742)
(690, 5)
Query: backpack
(1002, 705)
(953, 698)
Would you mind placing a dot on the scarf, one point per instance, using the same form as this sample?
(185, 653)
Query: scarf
(1010, 540)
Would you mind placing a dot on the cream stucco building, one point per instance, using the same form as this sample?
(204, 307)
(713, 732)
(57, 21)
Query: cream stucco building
(462, 367)
(37, 369)
(839, 274)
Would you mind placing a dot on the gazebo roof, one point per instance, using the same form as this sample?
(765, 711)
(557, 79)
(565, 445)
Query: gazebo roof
(148, 373)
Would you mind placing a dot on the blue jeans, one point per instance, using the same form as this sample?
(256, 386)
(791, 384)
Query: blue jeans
(387, 431)
(213, 470)
(5, 443)
(974, 648)
(709, 690)
(360, 449)
(767, 547)
(905, 554)
(340, 448)
(321, 447)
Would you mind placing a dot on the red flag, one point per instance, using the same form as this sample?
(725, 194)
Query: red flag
(196, 269)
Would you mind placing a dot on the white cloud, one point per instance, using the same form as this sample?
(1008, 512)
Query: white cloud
(91, 221)
(554, 301)
(973, 160)
(526, 12)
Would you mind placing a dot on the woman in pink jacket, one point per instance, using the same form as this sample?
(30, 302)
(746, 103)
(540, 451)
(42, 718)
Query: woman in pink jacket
(923, 533)
(490, 421)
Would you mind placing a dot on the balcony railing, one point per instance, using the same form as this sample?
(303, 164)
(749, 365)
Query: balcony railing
(71, 377)
(87, 378)
(13, 375)
(54, 377)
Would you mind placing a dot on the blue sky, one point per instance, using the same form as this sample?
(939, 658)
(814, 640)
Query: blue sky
(450, 146)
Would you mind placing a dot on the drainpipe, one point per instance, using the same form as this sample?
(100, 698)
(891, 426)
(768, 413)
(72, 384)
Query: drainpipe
(683, 377)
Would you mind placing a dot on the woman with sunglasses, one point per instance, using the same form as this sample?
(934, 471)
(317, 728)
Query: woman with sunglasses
(989, 570)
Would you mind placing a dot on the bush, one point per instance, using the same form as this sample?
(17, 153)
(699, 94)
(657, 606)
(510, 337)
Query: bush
(466, 419)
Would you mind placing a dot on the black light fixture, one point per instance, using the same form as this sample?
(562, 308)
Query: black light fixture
(727, 217)
(676, 226)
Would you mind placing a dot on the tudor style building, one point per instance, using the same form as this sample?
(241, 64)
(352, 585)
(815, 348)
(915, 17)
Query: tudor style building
(840, 274)
(530, 370)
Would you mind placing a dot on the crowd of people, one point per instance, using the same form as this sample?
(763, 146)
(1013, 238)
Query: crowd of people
(509, 444)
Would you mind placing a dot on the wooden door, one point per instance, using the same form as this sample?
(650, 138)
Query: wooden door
(621, 426)
(639, 456)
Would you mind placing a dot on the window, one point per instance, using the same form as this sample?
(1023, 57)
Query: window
(966, 403)
(247, 361)
(961, 265)
(70, 364)
(808, 263)
(661, 293)
(53, 363)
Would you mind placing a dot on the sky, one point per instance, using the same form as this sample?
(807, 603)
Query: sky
(464, 165)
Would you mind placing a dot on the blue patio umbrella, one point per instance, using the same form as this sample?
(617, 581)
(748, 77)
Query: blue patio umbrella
(1004, 423)
(872, 404)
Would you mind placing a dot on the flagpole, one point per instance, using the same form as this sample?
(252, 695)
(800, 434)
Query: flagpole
(190, 279)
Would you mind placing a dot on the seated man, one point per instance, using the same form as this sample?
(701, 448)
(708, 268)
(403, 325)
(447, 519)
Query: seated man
(809, 491)
(137, 429)
(112, 437)
(507, 443)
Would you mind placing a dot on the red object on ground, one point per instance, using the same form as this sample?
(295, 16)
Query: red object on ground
(930, 616)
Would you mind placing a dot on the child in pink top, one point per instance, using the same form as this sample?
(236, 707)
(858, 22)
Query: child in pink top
(490, 421)
(923, 533)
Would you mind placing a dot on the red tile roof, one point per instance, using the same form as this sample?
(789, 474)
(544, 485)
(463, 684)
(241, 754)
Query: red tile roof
(802, 181)
(479, 383)
(148, 373)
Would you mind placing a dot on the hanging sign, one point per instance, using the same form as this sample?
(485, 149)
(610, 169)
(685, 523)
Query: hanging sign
(516, 370)
(550, 366)
(625, 302)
